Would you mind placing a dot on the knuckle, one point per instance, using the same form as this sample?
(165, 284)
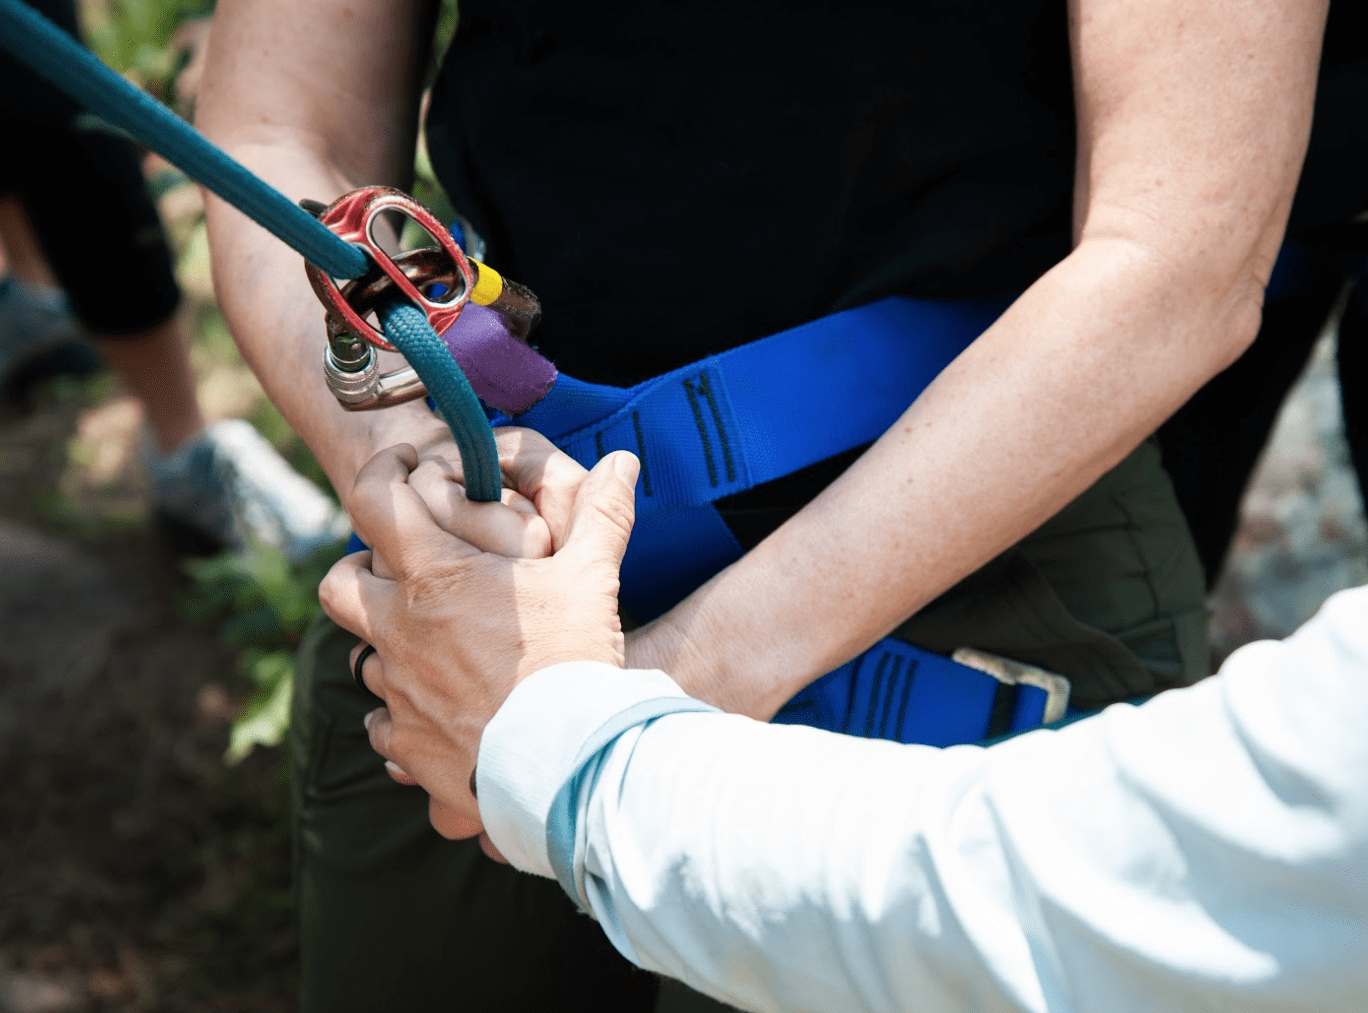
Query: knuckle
(437, 816)
(537, 539)
(397, 743)
(328, 590)
(367, 487)
(445, 821)
(619, 514)
(423, 587)
(380, 733)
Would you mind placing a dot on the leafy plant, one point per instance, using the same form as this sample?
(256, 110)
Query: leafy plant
(267, 605)
(134, 36)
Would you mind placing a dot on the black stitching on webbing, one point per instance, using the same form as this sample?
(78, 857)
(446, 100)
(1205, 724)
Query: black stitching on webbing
(850, 700)
(598, 444)
(1004, 704)
(641, 454)
(874, 695)
(907, 694)
(705, 388)
(893, 680)
(807, 708)
(702, 433)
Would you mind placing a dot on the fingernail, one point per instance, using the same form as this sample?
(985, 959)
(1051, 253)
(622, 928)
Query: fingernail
(627, 467)
(369, 718)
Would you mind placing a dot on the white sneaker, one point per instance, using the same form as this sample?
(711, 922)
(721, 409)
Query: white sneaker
(229, 486)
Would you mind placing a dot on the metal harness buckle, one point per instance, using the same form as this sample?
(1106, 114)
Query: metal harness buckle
(1015, 673)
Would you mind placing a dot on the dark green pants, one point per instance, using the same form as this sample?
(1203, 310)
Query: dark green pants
(393, 917)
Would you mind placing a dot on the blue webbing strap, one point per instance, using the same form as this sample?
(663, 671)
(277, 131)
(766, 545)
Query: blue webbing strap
(748, 416)
(756, 413)
(765, 410)
(50, 52)
(898, 691)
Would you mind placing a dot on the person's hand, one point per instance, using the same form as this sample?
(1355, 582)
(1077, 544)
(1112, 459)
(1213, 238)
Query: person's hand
(455, 629)
(530, 519)
(540, 485)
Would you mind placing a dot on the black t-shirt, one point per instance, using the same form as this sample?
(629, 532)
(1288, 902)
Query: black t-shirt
(675, 179)
(1333, 191)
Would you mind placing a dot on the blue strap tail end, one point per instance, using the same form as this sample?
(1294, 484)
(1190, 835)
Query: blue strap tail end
(898, 691)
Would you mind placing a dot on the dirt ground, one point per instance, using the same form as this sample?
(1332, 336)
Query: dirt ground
(137, 871)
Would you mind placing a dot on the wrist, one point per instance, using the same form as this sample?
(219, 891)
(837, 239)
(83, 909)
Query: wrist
(593, 642)
(410, 423)
(714, 661)
(685, 658)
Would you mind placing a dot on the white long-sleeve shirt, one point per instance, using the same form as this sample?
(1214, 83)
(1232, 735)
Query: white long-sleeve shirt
(1205, 851)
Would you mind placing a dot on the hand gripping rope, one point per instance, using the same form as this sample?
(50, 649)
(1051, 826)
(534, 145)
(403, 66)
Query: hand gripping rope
(399, 291)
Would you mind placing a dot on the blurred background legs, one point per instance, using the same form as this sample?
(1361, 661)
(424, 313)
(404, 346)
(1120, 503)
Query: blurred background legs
(39, 338)
(138, 868)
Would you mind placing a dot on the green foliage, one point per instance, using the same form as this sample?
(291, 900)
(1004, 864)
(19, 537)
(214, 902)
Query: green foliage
(266, 606)
(134, 36)
(447, 17)
(426, 190)
(429, 193)
(267, 717)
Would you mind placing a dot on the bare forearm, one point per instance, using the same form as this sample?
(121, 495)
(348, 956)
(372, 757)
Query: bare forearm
(1080, 370)
(278, 324)
(315, 113)
(1192, 124)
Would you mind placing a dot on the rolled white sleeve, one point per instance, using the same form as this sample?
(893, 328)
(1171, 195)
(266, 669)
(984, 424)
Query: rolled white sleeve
(1207, 850)
(526, 760)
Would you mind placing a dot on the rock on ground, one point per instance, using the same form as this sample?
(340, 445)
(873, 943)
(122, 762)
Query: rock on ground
(1302, 535)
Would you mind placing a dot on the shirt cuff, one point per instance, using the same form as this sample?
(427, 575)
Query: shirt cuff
(549, 727)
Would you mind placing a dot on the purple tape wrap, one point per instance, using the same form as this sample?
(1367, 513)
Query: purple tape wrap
(505, 373)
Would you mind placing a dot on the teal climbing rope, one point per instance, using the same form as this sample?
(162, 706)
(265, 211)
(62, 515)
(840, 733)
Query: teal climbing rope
(47, 50)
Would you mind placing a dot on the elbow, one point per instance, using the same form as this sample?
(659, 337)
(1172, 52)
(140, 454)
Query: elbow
(1237, 316)
(1238, 340)
(1237, 302)
(1237, 278)
(1204, 286)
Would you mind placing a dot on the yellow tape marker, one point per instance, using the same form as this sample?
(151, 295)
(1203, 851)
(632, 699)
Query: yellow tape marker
(488, 285)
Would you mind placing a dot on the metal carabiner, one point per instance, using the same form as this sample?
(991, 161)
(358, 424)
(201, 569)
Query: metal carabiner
(352, 217)
(350, 365)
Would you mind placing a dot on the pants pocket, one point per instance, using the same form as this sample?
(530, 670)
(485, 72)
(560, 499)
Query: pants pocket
(1109, 593)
